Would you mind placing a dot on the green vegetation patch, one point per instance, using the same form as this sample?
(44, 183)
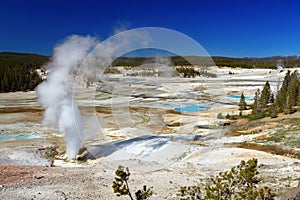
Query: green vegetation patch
(287, 138)
(207, 127)
(256, 117)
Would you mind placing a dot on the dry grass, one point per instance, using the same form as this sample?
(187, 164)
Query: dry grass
(269, 149)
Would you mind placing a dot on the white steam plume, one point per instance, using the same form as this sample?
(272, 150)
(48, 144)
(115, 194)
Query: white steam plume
(74, 57)
(165, 64)
(55, 94)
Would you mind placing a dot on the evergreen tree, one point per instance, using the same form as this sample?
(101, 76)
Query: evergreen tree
(272, 99)
(242, 103)
(280, 100)
(288, 95)
(293, 89)
(266, 96)
(256, 108)
(288, 107)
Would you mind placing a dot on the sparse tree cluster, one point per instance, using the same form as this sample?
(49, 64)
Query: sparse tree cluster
(288, 95)
(189, 72)
(263, 99)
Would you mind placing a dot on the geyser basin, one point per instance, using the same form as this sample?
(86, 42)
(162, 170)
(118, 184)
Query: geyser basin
(19, 137)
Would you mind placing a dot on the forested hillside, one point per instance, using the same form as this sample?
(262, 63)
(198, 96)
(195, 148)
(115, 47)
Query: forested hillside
(17, 71)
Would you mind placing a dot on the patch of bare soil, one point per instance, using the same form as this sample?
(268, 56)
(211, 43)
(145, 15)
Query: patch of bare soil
(93, 182)
(17, 173)
(10, 115)
(241, 122)
(31, 182)
(292, 194)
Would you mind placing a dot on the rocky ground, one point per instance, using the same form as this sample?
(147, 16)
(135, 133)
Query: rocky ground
(95, 181)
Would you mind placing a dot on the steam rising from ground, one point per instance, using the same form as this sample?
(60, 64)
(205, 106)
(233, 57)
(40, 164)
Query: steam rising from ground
(56, 95)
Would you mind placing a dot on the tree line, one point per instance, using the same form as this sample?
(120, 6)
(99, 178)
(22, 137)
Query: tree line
(268, 62)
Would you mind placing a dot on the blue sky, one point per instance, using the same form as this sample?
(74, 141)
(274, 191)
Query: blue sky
(236, 28)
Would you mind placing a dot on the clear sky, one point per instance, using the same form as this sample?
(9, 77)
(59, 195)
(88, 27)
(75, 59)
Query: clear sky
(236, 28)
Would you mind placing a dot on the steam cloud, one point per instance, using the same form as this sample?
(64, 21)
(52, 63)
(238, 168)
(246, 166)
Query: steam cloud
(55, 94)
(85, 57)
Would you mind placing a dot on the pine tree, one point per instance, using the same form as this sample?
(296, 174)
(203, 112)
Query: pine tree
(293, 88)
(272, 99)
(265, 96)
(288, 95)
(280, 100)
(242, 103)
(256, 108)
(288, 107)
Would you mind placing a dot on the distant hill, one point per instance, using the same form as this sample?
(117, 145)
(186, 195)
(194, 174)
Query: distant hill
(292, 57)
(11, 54)
(13, 58)
(267, 62)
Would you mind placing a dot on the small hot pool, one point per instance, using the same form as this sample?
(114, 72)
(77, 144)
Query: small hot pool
(239, 96)
(191, 108)
(19, 137)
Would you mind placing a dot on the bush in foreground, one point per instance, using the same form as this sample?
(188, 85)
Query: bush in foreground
(238, 183)
(121, 187)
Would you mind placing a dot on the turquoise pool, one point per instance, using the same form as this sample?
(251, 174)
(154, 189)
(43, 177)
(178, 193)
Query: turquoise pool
(191, 108)
(239, 96)
(19, 137)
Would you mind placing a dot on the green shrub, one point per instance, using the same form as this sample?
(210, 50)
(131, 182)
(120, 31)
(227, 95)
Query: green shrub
(238, 183)
(121, 187)
(220, 116)
(227, 116)
(257, 116)
(273, 115)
